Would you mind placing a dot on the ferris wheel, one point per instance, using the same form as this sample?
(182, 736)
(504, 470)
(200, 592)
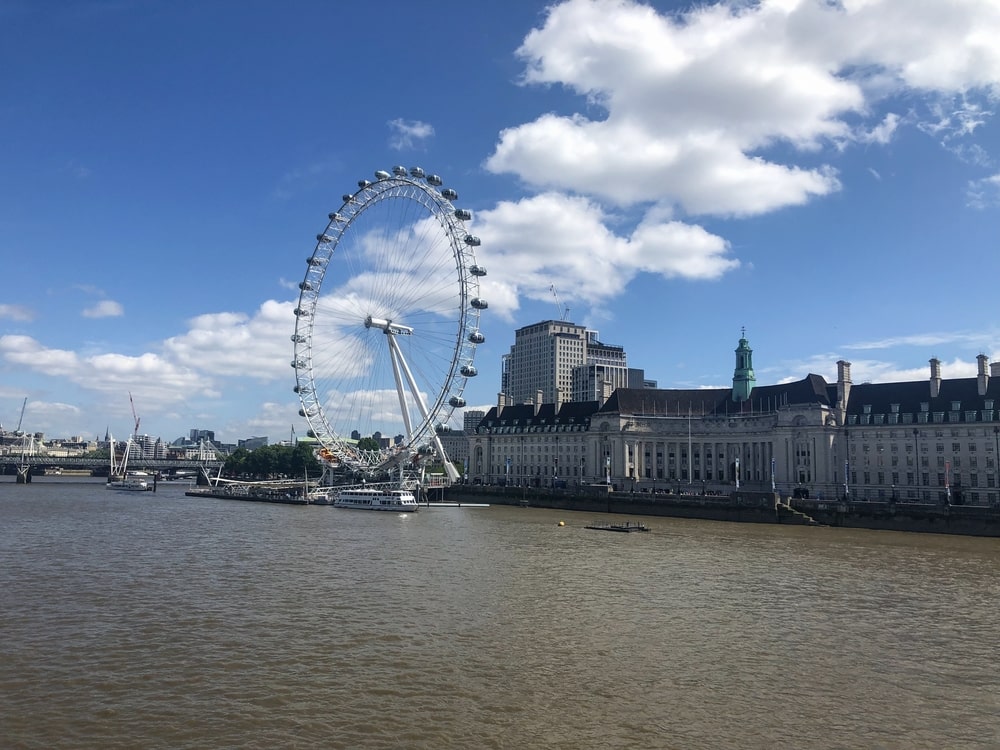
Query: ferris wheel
(387, 322)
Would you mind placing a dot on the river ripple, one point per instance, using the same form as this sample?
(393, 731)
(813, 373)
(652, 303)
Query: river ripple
(177, 622)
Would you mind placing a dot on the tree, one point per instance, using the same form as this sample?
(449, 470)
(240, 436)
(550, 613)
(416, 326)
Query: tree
(273, 462)
(368, 444)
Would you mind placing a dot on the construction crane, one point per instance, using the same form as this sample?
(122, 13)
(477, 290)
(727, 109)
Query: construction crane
(563, 311)
(17, 430)
(135, 419)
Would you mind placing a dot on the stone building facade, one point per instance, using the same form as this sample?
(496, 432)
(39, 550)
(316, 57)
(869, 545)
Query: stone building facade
(934, 441)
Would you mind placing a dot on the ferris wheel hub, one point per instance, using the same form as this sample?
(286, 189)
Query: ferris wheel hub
(388, 326)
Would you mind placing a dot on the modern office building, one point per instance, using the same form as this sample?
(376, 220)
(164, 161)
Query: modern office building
(251, 443)
(565, 362)
(471, 419)
(934, 441)
(542, 358)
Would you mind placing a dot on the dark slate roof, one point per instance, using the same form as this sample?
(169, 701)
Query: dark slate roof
(521, 415)
(880, 397)
(812, 389)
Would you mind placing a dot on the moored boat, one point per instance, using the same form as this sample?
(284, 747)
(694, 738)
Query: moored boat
(376, 499)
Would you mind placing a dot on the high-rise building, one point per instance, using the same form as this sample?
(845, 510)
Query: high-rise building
(542, 358)
(605, 370)
(471, 420)
(564, 362)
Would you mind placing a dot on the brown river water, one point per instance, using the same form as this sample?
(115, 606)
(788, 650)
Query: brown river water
(166, 621)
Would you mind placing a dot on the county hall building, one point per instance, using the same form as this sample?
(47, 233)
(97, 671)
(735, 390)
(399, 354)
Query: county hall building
(931, 441)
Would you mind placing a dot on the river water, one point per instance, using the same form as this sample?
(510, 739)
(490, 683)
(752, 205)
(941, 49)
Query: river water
(166, 621)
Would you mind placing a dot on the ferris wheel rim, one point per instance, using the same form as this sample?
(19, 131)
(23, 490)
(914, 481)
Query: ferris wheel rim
(416, 188)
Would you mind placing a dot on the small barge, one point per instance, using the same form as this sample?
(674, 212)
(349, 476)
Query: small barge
(627, 527)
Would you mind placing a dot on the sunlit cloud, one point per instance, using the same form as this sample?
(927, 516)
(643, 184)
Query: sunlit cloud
(16, 312)
(984, 193)
(104, 309)
(408, 134)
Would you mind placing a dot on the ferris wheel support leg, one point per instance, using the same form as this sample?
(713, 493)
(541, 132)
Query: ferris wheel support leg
(396, 357)
(449, 467)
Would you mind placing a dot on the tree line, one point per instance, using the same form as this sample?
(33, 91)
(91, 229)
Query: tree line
(272, 462)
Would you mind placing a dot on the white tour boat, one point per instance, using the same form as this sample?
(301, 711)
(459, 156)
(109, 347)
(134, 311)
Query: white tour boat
(120, 477)
(133, 481)
(372, 499)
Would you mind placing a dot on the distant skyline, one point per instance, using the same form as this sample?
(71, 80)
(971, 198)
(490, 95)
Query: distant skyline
(825, 174)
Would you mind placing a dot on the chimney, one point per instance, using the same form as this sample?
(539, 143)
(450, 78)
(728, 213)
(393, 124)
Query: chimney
(538, 401)
(982, 379)
(935, 377)
(843, 384)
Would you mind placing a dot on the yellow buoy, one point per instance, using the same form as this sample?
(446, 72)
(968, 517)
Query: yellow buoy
(562, 523)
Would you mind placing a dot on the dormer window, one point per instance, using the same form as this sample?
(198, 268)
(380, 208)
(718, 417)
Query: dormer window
(956, 405)
(894, 408)
(867, 408)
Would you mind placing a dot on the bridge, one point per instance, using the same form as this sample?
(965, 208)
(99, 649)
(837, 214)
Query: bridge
(101, 466)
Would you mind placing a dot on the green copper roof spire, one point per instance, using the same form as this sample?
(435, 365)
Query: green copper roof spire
(743, 377)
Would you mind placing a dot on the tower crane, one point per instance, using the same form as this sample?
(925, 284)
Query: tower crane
(135, 419)
(563, 311)
(17, 430)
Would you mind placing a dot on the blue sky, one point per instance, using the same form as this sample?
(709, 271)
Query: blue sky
(826, 174)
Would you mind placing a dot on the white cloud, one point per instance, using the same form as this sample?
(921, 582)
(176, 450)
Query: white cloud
(881, 133)
(530, 242)
(16, 312)
(234, 344)
(984, 193)
(929, 340)
(158, 380)
(691, 104)
(408, 133)
(273, 419)
(104, 309)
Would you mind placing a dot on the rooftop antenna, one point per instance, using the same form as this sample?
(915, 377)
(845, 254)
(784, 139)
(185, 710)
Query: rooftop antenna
(563, 310)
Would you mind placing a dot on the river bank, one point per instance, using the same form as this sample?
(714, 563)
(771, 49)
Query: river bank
(751, 507)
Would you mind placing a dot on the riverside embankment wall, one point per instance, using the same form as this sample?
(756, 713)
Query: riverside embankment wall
(749, 507)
